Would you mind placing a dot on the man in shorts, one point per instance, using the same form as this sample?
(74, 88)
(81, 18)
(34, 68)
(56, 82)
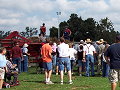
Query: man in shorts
(112, 56)
(3, 62)
(64, 61)
(46, 51)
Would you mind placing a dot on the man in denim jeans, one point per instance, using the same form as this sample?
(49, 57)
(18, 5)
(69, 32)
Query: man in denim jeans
(88, 52)
(64, 60)
(16, 54)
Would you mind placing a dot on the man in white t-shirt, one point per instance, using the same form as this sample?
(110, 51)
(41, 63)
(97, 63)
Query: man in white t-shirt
(64, 60)
(88, 52)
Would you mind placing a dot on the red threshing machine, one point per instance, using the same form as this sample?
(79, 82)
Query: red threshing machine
(34, 48)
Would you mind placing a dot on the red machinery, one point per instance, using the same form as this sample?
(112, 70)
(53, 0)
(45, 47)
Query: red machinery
(34, 48)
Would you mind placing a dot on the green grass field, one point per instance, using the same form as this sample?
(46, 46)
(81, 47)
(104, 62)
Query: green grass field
(33, 81)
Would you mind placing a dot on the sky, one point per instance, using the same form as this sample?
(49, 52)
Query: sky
(15, 15)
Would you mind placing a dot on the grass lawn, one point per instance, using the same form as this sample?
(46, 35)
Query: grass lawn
(33, 81)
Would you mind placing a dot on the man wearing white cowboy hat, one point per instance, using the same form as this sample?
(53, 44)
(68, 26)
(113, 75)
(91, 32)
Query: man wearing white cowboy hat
(101, 48)
(24, 63)
(88, 52)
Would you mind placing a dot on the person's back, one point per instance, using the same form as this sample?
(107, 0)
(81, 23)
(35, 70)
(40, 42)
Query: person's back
(72, 52)
(64, 60)
(101, 48)
(114, 54)
(89, 49)
(16, 55)
(16, 52)
(88, 57)
(63, 50)
(46, 49)
(80, 52)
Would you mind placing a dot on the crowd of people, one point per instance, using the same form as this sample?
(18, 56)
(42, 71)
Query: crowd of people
(13, 63)
(88, 56)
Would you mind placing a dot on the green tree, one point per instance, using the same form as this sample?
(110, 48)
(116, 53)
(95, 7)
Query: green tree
(29, 32)
(4, 34)
(89, 28)
(74, 25)
(106, 30)
(1, 34)
(53, 32)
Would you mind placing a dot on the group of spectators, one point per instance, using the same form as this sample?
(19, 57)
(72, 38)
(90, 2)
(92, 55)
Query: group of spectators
(91, 56)
(12, 63)
(87, 54)
(62, 57)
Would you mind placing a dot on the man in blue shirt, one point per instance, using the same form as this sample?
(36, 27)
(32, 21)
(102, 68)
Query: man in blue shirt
(113, 53)
(3, 62)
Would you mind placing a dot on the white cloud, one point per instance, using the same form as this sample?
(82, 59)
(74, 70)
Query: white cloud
(115, 5)
(99, 6)
(37, 22)
(27, 5)
(17, 14)
(9, 21)
(4, 13)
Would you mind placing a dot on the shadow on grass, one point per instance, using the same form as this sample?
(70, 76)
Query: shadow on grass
(43, 82)
(35, 73)
(32, 81)
(81, 87)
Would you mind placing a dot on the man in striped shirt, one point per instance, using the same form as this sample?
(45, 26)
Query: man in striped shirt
(12, 71)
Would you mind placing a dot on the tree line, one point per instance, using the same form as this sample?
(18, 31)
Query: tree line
(81, 29)
(28, 32)
(89, 28)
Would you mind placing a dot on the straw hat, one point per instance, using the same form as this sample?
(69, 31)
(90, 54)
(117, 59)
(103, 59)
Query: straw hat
(25, 45)
(97, 41)
(81, 42)
(88, 40)
(101, 41)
